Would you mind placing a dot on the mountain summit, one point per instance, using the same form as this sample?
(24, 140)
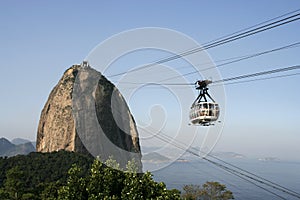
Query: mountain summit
(86, 113)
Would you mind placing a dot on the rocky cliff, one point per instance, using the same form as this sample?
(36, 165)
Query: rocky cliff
(86, 113)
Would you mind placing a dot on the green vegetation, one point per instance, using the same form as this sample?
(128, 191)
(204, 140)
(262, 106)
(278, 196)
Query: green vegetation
(22, 177)
(209, 191)
(109, 183)
(71, 176)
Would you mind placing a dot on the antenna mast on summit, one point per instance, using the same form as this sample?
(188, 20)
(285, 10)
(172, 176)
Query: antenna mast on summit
(85, 64)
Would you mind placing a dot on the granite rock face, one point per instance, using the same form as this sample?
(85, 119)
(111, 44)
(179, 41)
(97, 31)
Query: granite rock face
(86, 113)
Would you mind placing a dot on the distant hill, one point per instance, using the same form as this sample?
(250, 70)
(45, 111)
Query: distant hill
(154, 157)
(269, 159)
(228, 155)
(9, 149)
(18, 141)
(5, 145)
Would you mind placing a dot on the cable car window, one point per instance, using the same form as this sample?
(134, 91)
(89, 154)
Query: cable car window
(205, 105)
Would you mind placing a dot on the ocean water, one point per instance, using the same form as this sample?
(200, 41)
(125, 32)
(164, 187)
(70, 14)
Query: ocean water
(286, 174)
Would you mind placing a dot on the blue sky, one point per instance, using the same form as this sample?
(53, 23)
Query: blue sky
(40, 40)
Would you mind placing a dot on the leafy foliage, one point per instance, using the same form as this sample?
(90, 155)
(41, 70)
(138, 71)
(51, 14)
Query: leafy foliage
(75, 187)
(71, 176)
(105, 182)
(209, 191)
(191, 192)
(143, 187)
(28, 177)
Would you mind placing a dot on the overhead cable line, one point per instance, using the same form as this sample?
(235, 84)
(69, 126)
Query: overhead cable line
(259, 74)
(167, 140)
(270, 182)
(237, 59)
(245, 179)
(241, 174)
(246, 81)
(259, 79)
(273, 71)
(256, 25)
(240, 58)
(243, 34)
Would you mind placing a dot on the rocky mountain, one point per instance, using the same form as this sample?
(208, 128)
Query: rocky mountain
(86, 113)
(9, 149)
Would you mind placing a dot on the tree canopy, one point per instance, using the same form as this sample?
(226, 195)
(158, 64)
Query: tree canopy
(208, 191)
(71, 176)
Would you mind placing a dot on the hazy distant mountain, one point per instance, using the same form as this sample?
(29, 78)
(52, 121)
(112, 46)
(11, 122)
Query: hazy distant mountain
(5, 145)
(154, 157)
(34, 144)
(268, 159)
(228, 155)
(18, 141)
(9, 149)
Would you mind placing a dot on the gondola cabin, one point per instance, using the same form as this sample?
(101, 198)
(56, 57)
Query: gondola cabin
(204, 112)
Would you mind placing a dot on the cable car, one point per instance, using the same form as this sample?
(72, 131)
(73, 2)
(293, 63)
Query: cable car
(204, 112)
